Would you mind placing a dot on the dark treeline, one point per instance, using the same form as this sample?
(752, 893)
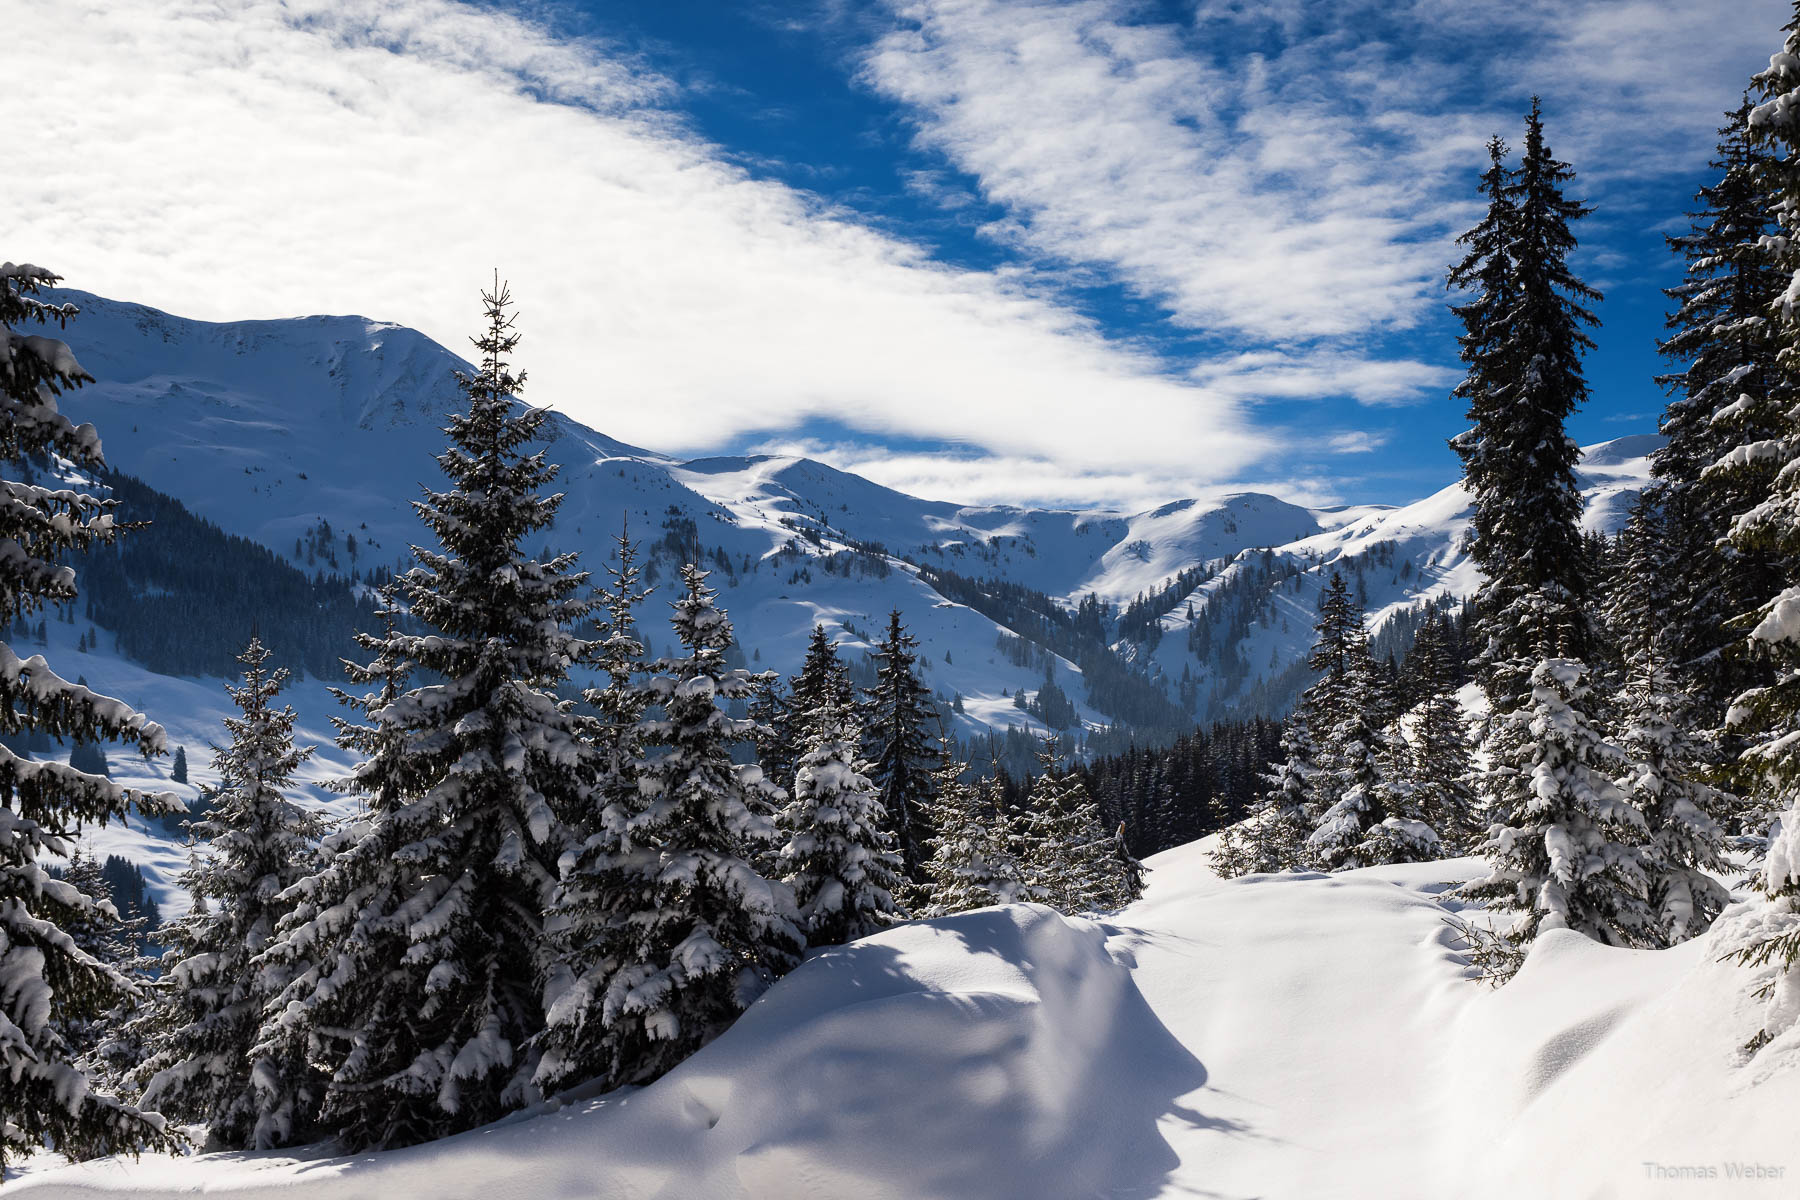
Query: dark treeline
(181, 596)
(1205, 780)
(1112, 686)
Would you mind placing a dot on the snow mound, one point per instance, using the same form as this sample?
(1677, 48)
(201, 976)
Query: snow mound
(1275, 1036)
(1000, 1053)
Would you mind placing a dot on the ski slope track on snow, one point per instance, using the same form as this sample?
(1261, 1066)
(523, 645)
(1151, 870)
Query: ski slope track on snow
(1273, 1036)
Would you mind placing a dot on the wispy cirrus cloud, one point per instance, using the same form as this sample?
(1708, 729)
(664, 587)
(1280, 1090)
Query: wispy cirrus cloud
(252, 158)
(1289, 175)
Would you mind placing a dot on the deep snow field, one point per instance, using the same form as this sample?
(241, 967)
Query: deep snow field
(1272, 1036)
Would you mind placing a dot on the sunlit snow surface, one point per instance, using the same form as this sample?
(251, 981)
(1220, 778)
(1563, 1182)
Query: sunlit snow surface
(1275, 1036)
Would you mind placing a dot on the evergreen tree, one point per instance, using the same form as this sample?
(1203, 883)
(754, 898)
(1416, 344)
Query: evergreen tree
(708, 933)
(1766, 716)
(898, 737)
(178, 770)
(256, 845)
(1680, 810)
(969, 865)
(771, 708)
(425, 929)
(823, 684)
(1441, 768)
(1274, 838)
(1069, 857)
(1730, 390)
(1523, 339)
(1564, 845)
(106, 937)
(1362, 828)
(606, 880)
(47, 982)
(836, 856)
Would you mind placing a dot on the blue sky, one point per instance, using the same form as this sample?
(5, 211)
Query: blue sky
(1095, 252)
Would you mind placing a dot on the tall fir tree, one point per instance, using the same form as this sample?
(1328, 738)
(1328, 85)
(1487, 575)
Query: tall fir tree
(837, 854)
(707, 933)
(1731, 389)
(1766, 716)
(47, 982)
(1563, 851)
(899, 731)
(256, 843)
(823, 684)
(425, 931)
(1524, 334)
(603, 881)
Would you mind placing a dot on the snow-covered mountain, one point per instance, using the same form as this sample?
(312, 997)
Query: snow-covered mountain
(280, 430)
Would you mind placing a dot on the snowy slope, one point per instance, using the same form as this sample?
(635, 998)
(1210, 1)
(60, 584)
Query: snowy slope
(1394, 558)
(1275, 1036)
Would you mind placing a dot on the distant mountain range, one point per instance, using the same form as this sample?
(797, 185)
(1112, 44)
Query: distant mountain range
(311, 437)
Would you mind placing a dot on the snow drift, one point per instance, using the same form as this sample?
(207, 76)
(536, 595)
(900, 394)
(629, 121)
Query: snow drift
(1272, 1036)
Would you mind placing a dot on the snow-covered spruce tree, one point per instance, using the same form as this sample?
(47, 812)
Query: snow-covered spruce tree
(1366, 826)
(1441, 764)
(706, 934)
(1766, 716)
(1522, 342)
(1666, 761)
(102, 935)
(955, 842)
(823, 684)
(899, 729)
(772, 709)
(425, 932)
(1761, 719)
(1563, 851)
(836, 855)
(255, 844)
(1565, 848)
(1274, 837)
(1305, 783)
(47, 982)
(969, 865)
(1068, 862)
(604, 879)
(1231, 852)
(1731, 390)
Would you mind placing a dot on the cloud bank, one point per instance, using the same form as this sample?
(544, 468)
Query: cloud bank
(244, 158)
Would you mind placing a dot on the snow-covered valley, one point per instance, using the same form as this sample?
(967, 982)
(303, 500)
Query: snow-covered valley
(1285, 1036)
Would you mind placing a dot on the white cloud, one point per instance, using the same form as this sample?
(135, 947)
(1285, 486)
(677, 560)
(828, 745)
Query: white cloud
(1356, 442)
(1309, 190)
(244, 158)
(1290, 374)
(975, 477)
